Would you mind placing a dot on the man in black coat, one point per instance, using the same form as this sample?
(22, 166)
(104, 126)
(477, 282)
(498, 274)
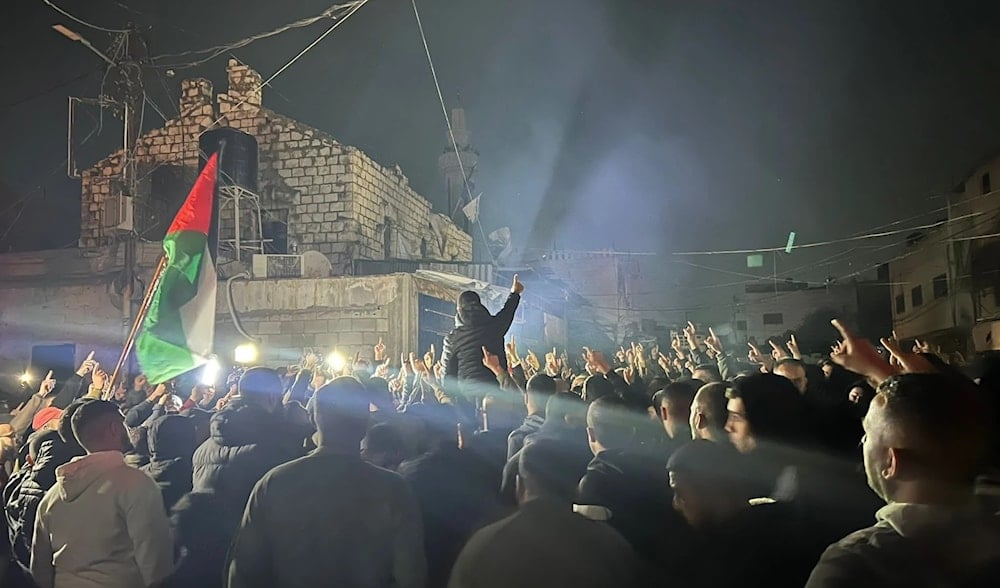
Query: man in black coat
(171, 442)
(249, 436)
(476, 328)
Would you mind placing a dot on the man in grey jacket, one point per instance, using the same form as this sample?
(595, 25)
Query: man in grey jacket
(103, 522)
(922, 447)
(329, 518)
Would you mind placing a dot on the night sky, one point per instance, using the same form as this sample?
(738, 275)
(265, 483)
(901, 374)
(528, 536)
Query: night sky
(644, 125)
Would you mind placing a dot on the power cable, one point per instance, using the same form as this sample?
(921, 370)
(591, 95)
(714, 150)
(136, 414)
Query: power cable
(451, 132)
(83, 22)
(225, 48)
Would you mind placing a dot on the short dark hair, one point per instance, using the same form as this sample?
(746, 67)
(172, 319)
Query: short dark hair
(944, 414)
(342, 407)
(596, 387)
(88, 416)
(545, 465)
(541, 385)
(611, 422)
(775, 409)
(712, 369)
(677, 397)
(65, 427)
(384, 438)
(260, 384)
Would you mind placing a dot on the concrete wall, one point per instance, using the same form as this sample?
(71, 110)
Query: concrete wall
(794, 306)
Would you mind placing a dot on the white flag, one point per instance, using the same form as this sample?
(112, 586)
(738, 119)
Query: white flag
(471, 209)
(500, 242)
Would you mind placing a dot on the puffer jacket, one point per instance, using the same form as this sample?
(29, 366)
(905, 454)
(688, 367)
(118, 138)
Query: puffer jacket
(476, 328)
(171, 445)
(246, 442)
(22, 505)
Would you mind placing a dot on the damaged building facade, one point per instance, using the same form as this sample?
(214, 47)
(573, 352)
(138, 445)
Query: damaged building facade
(305, 222)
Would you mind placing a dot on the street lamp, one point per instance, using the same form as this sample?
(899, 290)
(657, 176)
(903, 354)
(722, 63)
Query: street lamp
(245, 354)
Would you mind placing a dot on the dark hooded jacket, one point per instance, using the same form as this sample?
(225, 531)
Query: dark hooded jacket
(246, 442)
(203, 527)
(171, 442)
(22, 506)
(476, 328)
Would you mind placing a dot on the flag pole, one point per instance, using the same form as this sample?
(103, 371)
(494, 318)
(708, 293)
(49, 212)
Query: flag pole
(147, 299)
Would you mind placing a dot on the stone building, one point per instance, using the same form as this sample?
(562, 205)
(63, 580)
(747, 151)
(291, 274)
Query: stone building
(318, 199)
(333, 198)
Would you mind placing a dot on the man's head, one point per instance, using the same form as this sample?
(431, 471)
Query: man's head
(341, 413)
(65, 426)
(709, 414)
(795, 371)
(708, 482)
(596, 387)
(675, 409)
(609, 425)
(539, 389)
(765, 408)
(140, 382)
(383, 446)
(261, 386)
(543, 472)
(828, 368)
(99, 426)
(924, 437)
(706, 373)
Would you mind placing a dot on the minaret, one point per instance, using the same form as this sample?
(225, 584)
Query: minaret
(451, 171)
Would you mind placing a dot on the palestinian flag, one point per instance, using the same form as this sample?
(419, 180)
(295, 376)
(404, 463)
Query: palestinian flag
(176, 335)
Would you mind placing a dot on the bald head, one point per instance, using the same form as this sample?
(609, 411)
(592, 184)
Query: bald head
(708, 413)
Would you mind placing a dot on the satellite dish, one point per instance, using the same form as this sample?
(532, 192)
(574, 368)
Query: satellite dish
(315, 265)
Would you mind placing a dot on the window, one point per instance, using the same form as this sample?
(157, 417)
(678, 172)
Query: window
(741, 325)
(917, 296)
(900, 304)
(773, 318)
(986, 183)
(940, 286)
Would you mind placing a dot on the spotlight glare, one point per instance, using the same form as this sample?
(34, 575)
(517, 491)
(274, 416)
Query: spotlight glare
(210, 372)
(245, 354)
(25, 378)
(336, 361)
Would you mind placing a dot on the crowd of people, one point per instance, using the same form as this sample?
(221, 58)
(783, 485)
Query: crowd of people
(688, 464)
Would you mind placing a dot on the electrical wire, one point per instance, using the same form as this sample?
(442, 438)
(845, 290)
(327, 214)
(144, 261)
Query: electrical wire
(83, 22)
(451, 132)
(225, 48)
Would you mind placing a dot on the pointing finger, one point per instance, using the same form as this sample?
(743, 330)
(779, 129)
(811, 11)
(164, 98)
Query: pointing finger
(845, 333)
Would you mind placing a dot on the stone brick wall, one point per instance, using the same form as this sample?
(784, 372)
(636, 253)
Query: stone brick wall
(338, 201)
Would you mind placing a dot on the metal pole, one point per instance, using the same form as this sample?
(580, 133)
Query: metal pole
(147, 299)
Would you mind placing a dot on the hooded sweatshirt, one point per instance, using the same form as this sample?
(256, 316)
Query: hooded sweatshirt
(101, 525)
(476, 328)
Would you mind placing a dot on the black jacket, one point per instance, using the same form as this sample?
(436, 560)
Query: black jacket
(635, 488)
(457, 495)
(203, 527)
(171, 445)
(22, 505)
(246, 442)
(476, 328)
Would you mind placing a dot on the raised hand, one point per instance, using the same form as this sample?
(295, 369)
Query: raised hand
(48, 384)
(691, 333)
(664, 363)
(859, 355)
(778, 351)
(159, 391)
(596, 361)
(310, 361)
(87, 366)
(100, 379)
(552, 363)
(379, 350)
(910, 362)
(532, 360)
(429, 357)
(713, 343)
(491, 361)
(676, 345)
(516, 287)
(793, 347)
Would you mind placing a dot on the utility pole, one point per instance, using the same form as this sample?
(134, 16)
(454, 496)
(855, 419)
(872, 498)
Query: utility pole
(127, 98)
